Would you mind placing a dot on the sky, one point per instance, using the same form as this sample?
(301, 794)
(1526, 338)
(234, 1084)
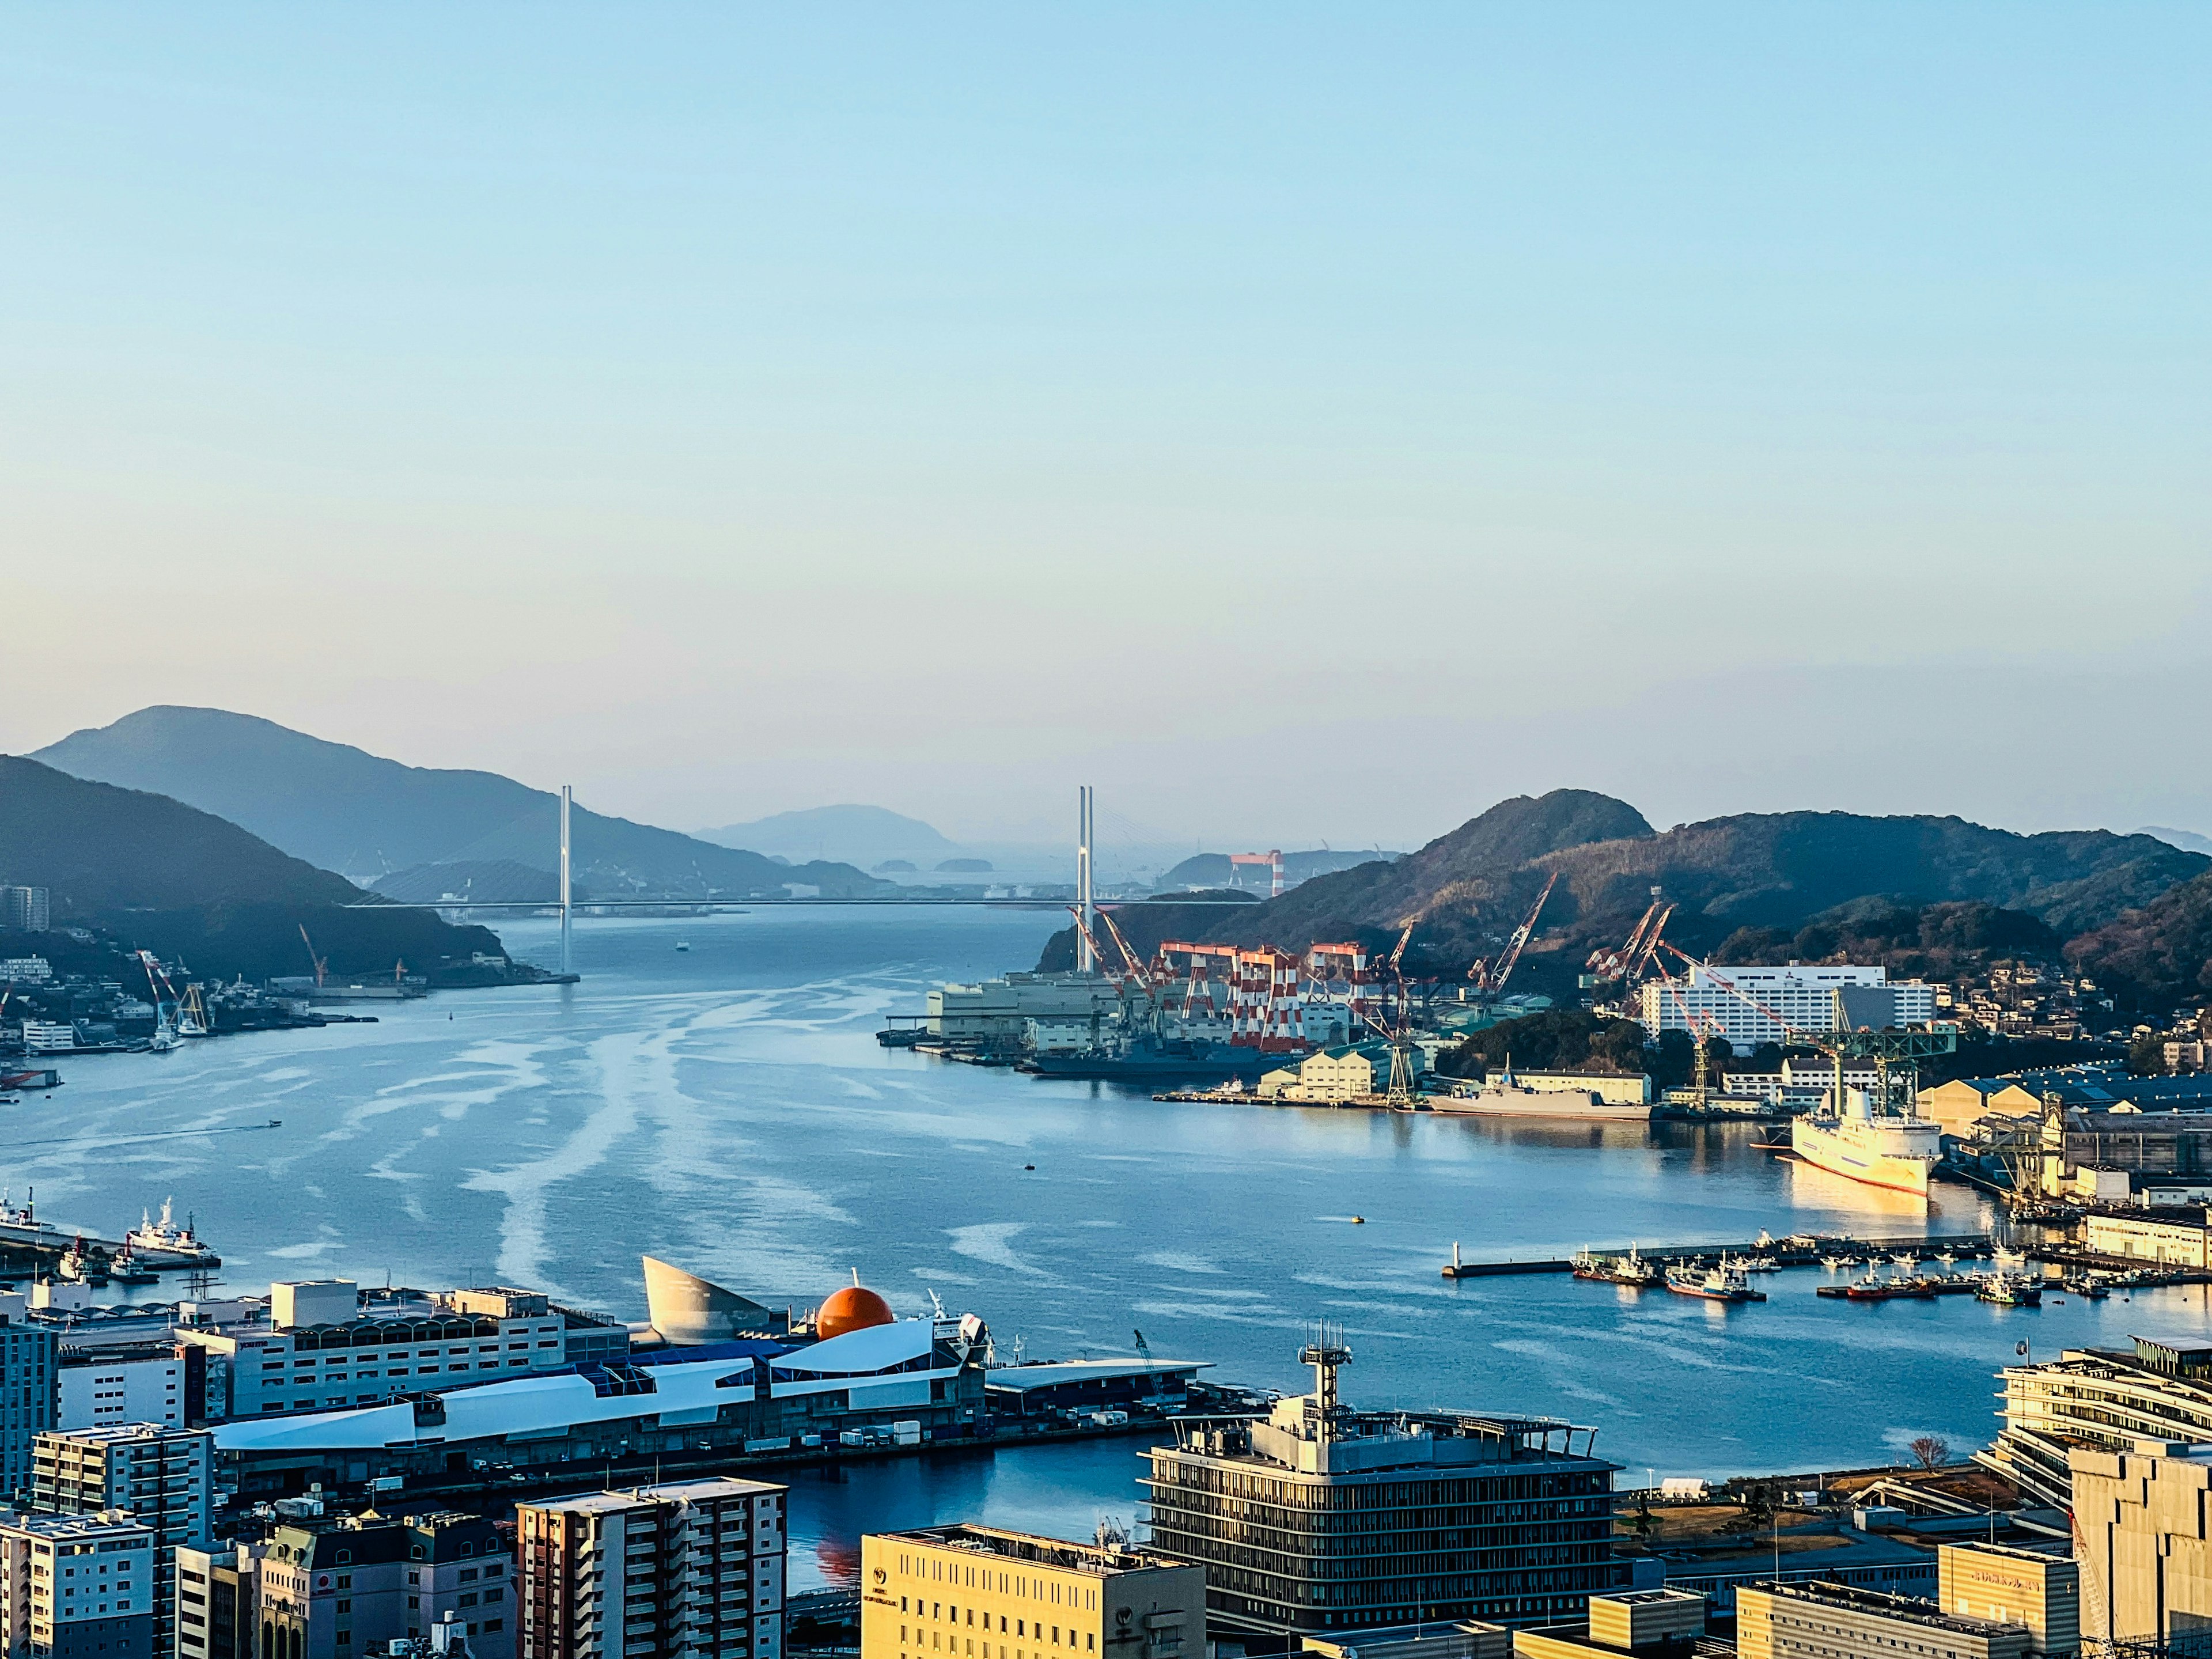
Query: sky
(1300, 423)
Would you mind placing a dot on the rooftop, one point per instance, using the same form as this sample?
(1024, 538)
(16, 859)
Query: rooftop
(671, 1492)
(1100, 1560)
(1906, 1608)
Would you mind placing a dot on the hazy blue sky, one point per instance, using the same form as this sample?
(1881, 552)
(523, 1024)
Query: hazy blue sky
(1297, 422)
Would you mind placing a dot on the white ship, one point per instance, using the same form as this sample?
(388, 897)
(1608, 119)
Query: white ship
(164, 1236)
(1887, 1150)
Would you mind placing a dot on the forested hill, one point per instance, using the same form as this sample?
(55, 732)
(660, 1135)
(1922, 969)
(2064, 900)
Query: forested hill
(162, 875)
(1759, 875)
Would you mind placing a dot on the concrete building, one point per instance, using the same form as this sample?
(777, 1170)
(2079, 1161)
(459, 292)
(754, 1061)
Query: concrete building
(1322, 1519)
(163, 1382)
(25, 910)
(2099, 1397)
(162, 1478)
(1836, 1621)
(76, 1587)
(25, 970)
(1830, 997)
(2173, 1237)
(994, 1013)
(326, 1346)
(685, 1310)
(217, 1605)
(933, 1593)
(1334, 1076)
(1649, 1623)
(1960, 1103)
(692, 1569)
(2142, 1523)
(330, 1591)
(28, 1385)
(2040, 1593)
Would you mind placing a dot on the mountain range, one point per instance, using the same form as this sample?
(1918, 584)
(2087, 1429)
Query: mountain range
(349, 810)
(183, 882)
(1740, 882)
(863, 835)
(1213, 870)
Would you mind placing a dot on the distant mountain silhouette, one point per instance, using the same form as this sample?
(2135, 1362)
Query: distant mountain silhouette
(864, 835)
(1466, 891)
(2188, 840)
(347, 810)
(1212, 870)
(169, 877)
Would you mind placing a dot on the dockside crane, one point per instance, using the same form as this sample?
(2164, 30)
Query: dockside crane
(1399, 1092)
(322, 963)
(1491, 979)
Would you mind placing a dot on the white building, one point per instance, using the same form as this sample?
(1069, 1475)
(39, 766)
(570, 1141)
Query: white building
(160, 1478)
(25, 909)
(46, 1037)
(691, 1568)
(1752, 1005)
(26, 971)
(127, 1383)
(78, 1585)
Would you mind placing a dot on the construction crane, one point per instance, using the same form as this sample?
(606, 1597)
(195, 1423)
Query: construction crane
(322, 963)
(1491, 980)
(1642, 939)
(1136, 966)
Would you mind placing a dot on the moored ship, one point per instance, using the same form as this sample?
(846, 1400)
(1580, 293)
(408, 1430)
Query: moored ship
(1890, 1151)
(164, 1238)
(1506, 1095)
(1723, 1283)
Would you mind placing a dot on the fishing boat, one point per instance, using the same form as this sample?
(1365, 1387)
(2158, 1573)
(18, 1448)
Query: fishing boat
(2089, 1289)
(1723, 1283)
(127, 1269)
(1631, 1270)
(1836, 1264)
(165, 1237)
(1871, 1288)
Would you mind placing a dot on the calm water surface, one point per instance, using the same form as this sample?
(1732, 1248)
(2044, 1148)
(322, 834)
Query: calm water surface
(727, 1107)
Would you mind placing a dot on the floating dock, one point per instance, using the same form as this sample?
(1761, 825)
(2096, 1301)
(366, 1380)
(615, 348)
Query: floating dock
(1798, 1250)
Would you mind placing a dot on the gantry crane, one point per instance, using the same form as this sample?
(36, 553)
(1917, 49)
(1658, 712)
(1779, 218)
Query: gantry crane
(1491, 979)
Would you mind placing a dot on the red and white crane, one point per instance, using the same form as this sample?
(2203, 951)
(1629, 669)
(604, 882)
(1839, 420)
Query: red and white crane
(1491, 980)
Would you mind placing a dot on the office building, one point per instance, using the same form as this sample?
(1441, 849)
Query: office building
(939, 1590)
(28, 1385)
(2105, 1397)
(1753, 1005)
(1837, 1621)
(215, 1602)
(691, 1570)
(76, 1587)
(1322, 1519)
(330, 1591)
(158, 1476)
(25, 909)
(2040, 1593)
(99, 1386)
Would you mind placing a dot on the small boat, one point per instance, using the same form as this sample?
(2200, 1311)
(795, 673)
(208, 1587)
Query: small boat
(1948, 1258)
(1725, 1283)
(2088, 1289)
(1836, 1264)
(682, 944)
(1871, 1288)
(1905, 1260)
(2003, 1291)
(1359, 1221)
(1759, 1264)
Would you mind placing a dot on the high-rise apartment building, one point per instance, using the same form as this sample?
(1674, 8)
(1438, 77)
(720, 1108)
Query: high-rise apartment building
(28, 1385)
(1322, 1519)
(936, 1593)
(691, 1570)
(215, 1602)
(1753, 1005)
(25, 909)
(76, 1587)
(161, 1477)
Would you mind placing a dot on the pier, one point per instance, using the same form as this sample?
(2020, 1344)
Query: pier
(1798, 1250)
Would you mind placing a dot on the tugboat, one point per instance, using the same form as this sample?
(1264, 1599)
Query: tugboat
(2003, 1291)
(126, 1269)
(1725, 1283)
(165, 1237)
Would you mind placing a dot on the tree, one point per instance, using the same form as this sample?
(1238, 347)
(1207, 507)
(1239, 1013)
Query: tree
(2147, 1055)
(1932, 1450)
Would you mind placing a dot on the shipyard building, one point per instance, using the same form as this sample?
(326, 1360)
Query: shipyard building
(1322, 1519)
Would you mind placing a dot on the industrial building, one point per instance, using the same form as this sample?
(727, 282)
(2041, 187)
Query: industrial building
(1322, 1519)
(2036, 1590)
(2102, 1398)
(162, 1478)
(931, 1594)
(1750, 1006)
(2173, 1236)
(1334, 1077)
(694, 1570)
(76, 1587)
(2142, 1523)
(1651, 1623)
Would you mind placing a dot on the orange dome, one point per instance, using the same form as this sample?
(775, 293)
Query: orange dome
(853, 1309)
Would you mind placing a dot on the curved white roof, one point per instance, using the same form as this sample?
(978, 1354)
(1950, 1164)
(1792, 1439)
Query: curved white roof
(857, 1353)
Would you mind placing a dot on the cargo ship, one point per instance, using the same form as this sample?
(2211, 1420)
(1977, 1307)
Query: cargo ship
(1891, 1151)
